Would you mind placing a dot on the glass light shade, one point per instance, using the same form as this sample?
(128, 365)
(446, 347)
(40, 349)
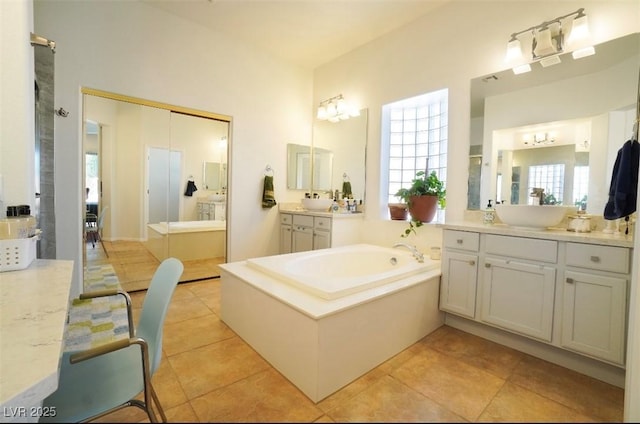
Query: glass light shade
(322, 113)
(331, 110)
(544, 45)
(522, 69)
(341, 107)
(579, 30)
(514, 51)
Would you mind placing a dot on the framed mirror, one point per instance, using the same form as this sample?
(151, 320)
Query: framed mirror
(212, 176)
(586, 106)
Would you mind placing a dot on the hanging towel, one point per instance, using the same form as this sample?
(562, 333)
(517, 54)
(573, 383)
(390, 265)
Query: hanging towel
(624, 182)
(268, 197)
(346, 190)
(191, 187)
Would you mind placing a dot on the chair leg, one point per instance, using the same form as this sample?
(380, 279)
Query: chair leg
(101, 242)
(157, 402)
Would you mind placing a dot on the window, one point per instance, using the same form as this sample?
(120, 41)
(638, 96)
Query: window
(580, 186)
(415, 134)
(551, 179)
(92, 177)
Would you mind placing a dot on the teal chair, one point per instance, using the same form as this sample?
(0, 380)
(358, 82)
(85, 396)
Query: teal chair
(106, 378)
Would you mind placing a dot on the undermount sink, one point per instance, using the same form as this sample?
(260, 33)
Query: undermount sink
(317, 204)
(535, 217)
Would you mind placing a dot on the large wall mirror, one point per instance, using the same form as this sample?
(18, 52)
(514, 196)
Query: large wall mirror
(339, 154)
(558, 127)
(155, 176)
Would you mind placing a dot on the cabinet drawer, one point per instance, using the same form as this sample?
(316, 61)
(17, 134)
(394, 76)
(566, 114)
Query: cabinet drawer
(286, 218)
(303, 220)
(603, 258)
(322, 223)
(463, 240)
(524, 248)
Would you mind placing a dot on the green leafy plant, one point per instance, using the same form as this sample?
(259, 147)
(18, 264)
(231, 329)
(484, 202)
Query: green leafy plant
(422, 185)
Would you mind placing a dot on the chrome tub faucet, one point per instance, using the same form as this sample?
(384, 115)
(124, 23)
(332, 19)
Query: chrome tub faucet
(414, 250)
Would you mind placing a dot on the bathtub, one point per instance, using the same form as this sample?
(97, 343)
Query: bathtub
(326, 317)
(187, 240)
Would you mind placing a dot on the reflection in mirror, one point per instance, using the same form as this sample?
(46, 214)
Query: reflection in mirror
(153, 201)
(298, 167)
(322, 169)
(212, 176)
(348, 141)
(586, 106)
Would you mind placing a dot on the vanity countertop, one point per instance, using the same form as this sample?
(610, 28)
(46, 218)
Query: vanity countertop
(339, 215)
(33, 312)
(559, 234)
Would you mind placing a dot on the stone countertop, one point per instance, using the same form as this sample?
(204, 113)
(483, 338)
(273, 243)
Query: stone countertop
(33, 312)
(301, 211)
(559, 234)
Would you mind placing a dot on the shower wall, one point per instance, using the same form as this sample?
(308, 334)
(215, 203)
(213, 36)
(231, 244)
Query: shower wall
(44, 151)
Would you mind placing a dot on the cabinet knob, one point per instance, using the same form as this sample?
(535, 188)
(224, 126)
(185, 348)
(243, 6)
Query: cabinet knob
(570, 280)
(487, 265)
(459, 241)
(595, 259)
(472, 262)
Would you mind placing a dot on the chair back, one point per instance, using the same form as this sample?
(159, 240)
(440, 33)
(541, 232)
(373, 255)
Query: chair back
(101, 217)
(154, 308)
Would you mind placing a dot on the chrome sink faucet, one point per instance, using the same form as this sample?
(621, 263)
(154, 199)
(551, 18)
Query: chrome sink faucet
(414, 250)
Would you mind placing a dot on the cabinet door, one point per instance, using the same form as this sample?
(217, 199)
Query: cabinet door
(285, 239)
(321, 240)
(518, 296)
(302, 239)
(458, 283)
(594, 314)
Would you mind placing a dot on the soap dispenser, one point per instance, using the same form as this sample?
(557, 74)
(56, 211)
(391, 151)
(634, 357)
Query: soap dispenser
(489, 214)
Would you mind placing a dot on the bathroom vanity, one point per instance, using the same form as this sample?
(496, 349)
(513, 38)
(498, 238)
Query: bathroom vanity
(310, 230)
(561, 295)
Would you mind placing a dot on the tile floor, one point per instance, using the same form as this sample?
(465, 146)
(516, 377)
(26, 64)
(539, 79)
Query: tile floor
(209, 374)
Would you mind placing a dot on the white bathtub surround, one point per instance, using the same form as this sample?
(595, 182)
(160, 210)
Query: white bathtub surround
(321, 344)
(190, 240)
(33, 312)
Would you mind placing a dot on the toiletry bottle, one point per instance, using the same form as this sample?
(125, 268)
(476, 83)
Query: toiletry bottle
(489, 214)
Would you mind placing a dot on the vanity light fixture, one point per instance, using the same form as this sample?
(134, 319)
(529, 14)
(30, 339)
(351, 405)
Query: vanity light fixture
(336, 109)
(548, 42)
(539, 139)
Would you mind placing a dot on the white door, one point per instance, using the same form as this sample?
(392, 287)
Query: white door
(164, 167)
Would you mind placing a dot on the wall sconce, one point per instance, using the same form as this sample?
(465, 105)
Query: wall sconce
(336, 109)
(548, 42)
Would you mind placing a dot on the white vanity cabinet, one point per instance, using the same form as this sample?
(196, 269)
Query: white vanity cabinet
(210, 210)
(302, 231)
(459, 272)
(286, 222)
(321, 232)
(594, 309)
(518, 285)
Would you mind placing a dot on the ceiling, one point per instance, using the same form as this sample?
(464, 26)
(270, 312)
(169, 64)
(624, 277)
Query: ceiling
(307, 33)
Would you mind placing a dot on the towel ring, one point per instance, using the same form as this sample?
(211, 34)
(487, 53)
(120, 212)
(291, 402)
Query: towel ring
(345, 177)
(268, 170)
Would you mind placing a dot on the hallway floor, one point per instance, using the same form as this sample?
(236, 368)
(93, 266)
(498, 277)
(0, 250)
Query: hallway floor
(209, 374)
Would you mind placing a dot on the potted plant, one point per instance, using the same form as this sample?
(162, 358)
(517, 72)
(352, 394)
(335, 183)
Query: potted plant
(422, 198)
(398, 211)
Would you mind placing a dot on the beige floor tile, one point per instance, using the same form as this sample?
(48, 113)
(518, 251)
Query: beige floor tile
(351, 390)
(516, 404)
(186, 309)
(473, 350)
(193, 333)
(462, 388)
(388, 400)
(215, 365)
(182, 414)
(167, 386)
(263, 397)
(584, 394)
